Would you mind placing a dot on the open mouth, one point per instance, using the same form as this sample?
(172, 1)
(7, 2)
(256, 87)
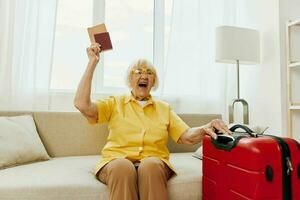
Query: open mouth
(143, 85)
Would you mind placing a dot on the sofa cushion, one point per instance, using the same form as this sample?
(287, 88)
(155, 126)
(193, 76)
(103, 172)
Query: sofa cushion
(188, 183)
(19, 141)
(72, 178)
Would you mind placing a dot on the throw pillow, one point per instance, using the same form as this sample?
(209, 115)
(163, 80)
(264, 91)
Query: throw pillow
(198, 153)
(20, 142)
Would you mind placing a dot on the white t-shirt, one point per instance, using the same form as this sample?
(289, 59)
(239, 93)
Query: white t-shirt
(142, 103)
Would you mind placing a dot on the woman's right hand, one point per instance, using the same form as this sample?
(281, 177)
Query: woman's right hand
(93, 52)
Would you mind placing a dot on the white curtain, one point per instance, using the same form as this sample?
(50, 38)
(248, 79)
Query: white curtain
(26, 40)
(193, 82)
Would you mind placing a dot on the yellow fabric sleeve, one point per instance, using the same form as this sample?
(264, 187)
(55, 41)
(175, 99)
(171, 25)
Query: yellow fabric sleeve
(105, 108)
(176, 126)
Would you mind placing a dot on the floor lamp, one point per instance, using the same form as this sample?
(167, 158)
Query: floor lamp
(238, 46)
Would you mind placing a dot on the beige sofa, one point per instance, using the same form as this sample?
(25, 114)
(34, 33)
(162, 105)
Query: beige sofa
(75, 147)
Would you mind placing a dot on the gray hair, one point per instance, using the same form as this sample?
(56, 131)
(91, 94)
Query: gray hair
(141, 63)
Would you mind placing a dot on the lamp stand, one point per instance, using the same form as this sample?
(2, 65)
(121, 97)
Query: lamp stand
(238, 100)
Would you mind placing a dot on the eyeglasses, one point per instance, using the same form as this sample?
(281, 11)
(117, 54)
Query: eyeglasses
(143, 71)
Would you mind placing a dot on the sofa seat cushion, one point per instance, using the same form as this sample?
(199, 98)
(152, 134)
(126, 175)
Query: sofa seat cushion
(72, 178)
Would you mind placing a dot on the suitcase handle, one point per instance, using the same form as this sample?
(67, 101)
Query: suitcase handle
(225, 143)
(245, 128)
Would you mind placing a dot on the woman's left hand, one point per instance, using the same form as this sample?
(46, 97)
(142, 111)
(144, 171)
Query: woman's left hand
(195, 135)
(216, 125)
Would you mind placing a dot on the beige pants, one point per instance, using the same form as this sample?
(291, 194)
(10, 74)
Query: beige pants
(147, 182)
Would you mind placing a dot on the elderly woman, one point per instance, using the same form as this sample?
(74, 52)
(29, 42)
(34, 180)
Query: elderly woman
(135, 160)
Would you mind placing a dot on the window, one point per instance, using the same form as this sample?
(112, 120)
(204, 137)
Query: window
(69, 58)
(131, 27)
(138, 29)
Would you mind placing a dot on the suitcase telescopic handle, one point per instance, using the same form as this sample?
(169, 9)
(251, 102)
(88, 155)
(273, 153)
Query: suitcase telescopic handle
(245, 128)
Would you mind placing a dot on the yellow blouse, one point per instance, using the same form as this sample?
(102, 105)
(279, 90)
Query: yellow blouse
(136, 132)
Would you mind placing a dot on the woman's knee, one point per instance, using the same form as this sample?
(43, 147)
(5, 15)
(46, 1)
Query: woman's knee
(151, 165)
(121, 168)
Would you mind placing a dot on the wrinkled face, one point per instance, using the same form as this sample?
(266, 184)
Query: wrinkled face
(142, 79)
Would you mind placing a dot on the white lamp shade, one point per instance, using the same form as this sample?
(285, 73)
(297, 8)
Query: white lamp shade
(235, 43)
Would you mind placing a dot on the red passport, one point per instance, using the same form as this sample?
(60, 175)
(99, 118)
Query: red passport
(104, 40)
(100, 35)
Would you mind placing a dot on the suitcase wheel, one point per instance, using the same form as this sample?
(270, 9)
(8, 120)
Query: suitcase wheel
(269, 173)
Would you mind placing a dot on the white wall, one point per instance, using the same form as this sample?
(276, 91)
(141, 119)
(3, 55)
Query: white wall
(288, 10)
(260, 84)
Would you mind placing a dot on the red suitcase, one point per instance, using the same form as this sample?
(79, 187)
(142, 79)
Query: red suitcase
(250, 167)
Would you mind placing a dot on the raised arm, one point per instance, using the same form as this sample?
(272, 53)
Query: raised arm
(82, 100)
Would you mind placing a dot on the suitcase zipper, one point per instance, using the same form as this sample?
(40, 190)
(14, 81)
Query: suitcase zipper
(286, 167)
(289, 165)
